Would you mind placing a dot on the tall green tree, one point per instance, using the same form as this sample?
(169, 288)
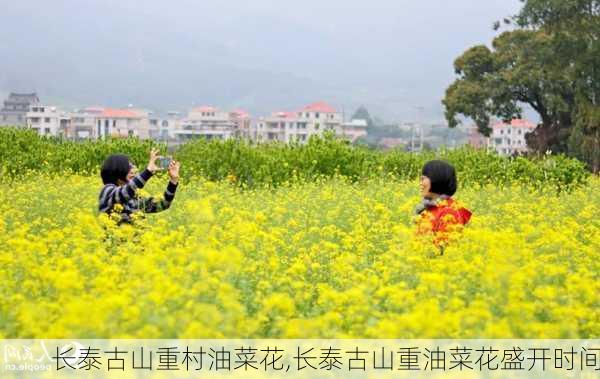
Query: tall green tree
(363, 114)
(550, 61)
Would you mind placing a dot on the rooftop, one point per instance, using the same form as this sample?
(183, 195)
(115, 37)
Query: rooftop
(239, 113)
(118, 113)
(516, 123)
(357, 123)
(320, 106)
(283, 114)
(204, 109)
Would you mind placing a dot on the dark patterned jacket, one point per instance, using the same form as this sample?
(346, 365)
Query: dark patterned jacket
(126, 195)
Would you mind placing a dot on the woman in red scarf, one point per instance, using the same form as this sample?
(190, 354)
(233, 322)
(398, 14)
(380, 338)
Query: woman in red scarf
(438, 213)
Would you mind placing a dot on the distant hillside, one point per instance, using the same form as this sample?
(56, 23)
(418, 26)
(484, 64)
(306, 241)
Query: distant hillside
(263, 55)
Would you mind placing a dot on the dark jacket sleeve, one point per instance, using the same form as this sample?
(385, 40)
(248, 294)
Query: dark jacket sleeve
(152, 205)
(112, 194)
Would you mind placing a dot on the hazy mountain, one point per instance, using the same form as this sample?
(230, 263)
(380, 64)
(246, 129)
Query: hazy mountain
(261, 55)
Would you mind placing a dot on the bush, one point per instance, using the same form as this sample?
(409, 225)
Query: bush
(248, 164)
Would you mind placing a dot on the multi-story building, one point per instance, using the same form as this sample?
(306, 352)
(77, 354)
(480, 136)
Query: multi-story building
(48, 120)
(206, 122)
(15, 108)
(83, 123)
(122, 123)
(280, 126)
(508, 139)
(476, 139)
(163, 128)
(314, 119)
(242, 121)
(354, 129)
(100, 122)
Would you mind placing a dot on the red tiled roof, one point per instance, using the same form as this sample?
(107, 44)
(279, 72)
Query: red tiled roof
(320, 106)
(522, 123)
(284, 114)
(94, 109)
(240, 113)
(517, 123)
(118, 113)
(205, 109)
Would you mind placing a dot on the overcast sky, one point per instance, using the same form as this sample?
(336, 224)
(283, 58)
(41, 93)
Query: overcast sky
(391, 55)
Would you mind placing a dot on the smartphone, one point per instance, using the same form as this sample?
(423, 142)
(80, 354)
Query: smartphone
(163, 162)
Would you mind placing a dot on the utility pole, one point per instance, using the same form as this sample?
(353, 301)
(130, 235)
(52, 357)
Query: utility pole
(412, 137)
(418, 119)
(421, 142)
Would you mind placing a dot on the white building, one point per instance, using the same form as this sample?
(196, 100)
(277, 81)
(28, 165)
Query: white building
(15, 108)
(122, 123)
(314, 119)
(83, 123)
(206, 122)
(508, 139)
(163, 128)
(243, 123)
(354, 129)
(280, 126)
(48, 120)
(100, 122)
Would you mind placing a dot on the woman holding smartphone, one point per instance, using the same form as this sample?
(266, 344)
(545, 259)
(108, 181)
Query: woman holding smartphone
(121, 182)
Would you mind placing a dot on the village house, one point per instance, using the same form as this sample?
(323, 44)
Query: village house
(48, 120)
(15, 108)
(298, 126)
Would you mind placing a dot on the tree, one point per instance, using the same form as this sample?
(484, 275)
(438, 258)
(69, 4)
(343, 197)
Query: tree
(363, 114)
(551, 62)
(575, 24)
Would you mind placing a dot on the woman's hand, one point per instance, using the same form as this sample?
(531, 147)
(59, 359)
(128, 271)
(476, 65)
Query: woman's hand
(174, 171)
(152, 167)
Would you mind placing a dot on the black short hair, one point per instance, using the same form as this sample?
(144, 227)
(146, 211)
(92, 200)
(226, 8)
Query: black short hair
(442, 176)
(115, 167)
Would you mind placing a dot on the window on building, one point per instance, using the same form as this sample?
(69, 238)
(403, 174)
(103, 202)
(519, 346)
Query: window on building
(498, 141)
(114, 123)
(47, 120)
(501, 131)
(520, 131)
(42, 109)
(130, 133)
(47, 130)
(317, 115)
